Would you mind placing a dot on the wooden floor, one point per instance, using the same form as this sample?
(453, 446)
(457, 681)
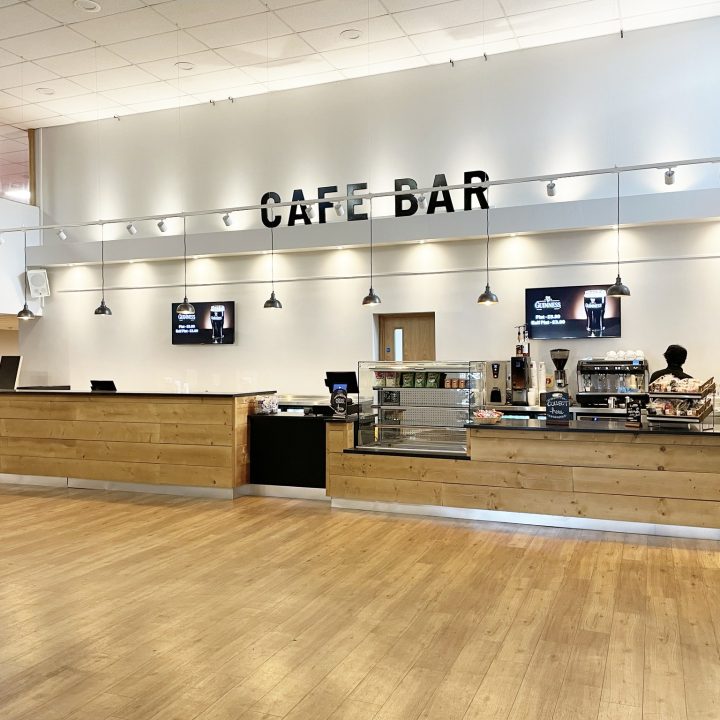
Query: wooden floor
(134, 607)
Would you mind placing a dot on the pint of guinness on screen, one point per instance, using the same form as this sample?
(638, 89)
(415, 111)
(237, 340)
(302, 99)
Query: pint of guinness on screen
(217, 321)
(595, 301)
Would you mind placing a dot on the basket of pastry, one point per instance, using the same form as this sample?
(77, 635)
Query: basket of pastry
(487, 417)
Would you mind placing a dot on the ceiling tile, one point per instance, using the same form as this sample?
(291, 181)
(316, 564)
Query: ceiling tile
(7, 145)
(11, 132)
(154, 105)
(115, 78)
(394, 6)
(305, 81)
(449, 14)
(21, 19)
(25, 113)
(7, 100)
(515, 7)
(232, 92)
(374, 52)
(49, 122)
(143, 93)
(381, 28)
(8, 58)
(93, 102)
(386, 67)
(102, 114)
(292, 67)
(15, 76)
(277, 4)
(253, 53)
(188, 13)
(61, 88)
(472, 51)
(570, 34)
(324, 13)
(17, 156)
(630, 8)
(240, 30)
(47, 42)
(204, 62)
(126, 26)
(157, 47)
(66, 12)
(234, 77)
(84, 61)
(476, 34)
(676, 15)
(557, 19)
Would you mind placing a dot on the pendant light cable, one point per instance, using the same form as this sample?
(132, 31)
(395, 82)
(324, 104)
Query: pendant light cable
(26, 313)
(618, 224)
(487, 297)
(25, 284)
(618, 289)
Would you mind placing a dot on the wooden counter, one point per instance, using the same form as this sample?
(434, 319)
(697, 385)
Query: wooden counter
(594, 471)
(142, 439)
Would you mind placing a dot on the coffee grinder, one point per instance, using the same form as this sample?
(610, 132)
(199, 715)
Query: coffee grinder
(560, 357)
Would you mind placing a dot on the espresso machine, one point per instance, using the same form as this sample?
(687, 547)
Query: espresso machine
(560, 357)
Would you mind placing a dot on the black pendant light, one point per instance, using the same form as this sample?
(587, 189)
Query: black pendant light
(272, 302)
(102, 308)
(619, 289)
(26, 313)
(372, 298)
(185, 307)
(487, 297)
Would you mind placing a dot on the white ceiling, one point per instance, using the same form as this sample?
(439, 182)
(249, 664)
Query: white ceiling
(60, 64)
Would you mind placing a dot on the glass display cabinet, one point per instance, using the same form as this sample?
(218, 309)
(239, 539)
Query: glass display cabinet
(419, 407)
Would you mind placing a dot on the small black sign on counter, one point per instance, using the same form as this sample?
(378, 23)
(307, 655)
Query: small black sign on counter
(557, 408)
(339, 401)
(634, 413)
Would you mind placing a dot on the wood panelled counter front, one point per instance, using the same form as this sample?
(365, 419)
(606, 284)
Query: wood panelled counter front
(610, 474)
(187, 441)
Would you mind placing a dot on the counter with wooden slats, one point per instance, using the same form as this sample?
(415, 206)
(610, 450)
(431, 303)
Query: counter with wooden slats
(666, 479)
(197, 441)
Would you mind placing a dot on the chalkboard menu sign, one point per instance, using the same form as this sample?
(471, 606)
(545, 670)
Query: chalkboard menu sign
(338, 401)
(634, 413)
(390, 397)
(557, 408)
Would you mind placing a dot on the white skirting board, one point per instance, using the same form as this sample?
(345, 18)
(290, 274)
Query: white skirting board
(9, 479)
(283, 491)
(279, 491)
(559, 521)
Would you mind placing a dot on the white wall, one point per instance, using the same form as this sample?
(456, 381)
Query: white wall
(594, 103)
(323, 326)
(654, 95)
(12, 275)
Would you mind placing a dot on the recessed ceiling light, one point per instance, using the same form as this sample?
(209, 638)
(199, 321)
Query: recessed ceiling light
(44, 91)
(351, 34)
(184, 65)
(89, 6)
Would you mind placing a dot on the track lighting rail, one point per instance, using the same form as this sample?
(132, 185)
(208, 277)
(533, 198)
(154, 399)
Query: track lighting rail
(549, 178)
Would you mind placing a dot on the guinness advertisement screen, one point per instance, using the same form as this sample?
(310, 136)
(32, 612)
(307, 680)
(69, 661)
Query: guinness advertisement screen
(213, 323)
(582, 311)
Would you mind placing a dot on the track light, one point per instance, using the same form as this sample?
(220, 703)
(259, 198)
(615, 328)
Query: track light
(551, 188)
(421, 201)
(62, 234)
(131, 229)
(162, 226)
(669, 176)
(227, 219)
(339, 209)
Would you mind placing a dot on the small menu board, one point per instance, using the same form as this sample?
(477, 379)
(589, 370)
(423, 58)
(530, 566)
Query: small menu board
(338, 401)
(557, 408)
(634, 413)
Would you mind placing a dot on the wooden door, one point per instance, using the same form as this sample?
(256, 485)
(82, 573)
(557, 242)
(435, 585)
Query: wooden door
(407, 337)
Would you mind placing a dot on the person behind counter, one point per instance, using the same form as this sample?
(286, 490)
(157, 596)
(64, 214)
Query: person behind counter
(675, 357)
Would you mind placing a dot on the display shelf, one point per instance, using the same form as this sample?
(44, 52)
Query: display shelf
(682, 418)
(680, 396)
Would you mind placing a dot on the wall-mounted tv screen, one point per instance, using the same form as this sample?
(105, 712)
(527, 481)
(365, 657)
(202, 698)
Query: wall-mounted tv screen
(212, 323)
(580, 311)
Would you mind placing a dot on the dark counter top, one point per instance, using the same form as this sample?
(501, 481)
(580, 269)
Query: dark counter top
(89, 393)
(596, 426)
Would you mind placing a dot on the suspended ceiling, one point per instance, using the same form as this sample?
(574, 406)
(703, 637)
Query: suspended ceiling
(61, 64)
